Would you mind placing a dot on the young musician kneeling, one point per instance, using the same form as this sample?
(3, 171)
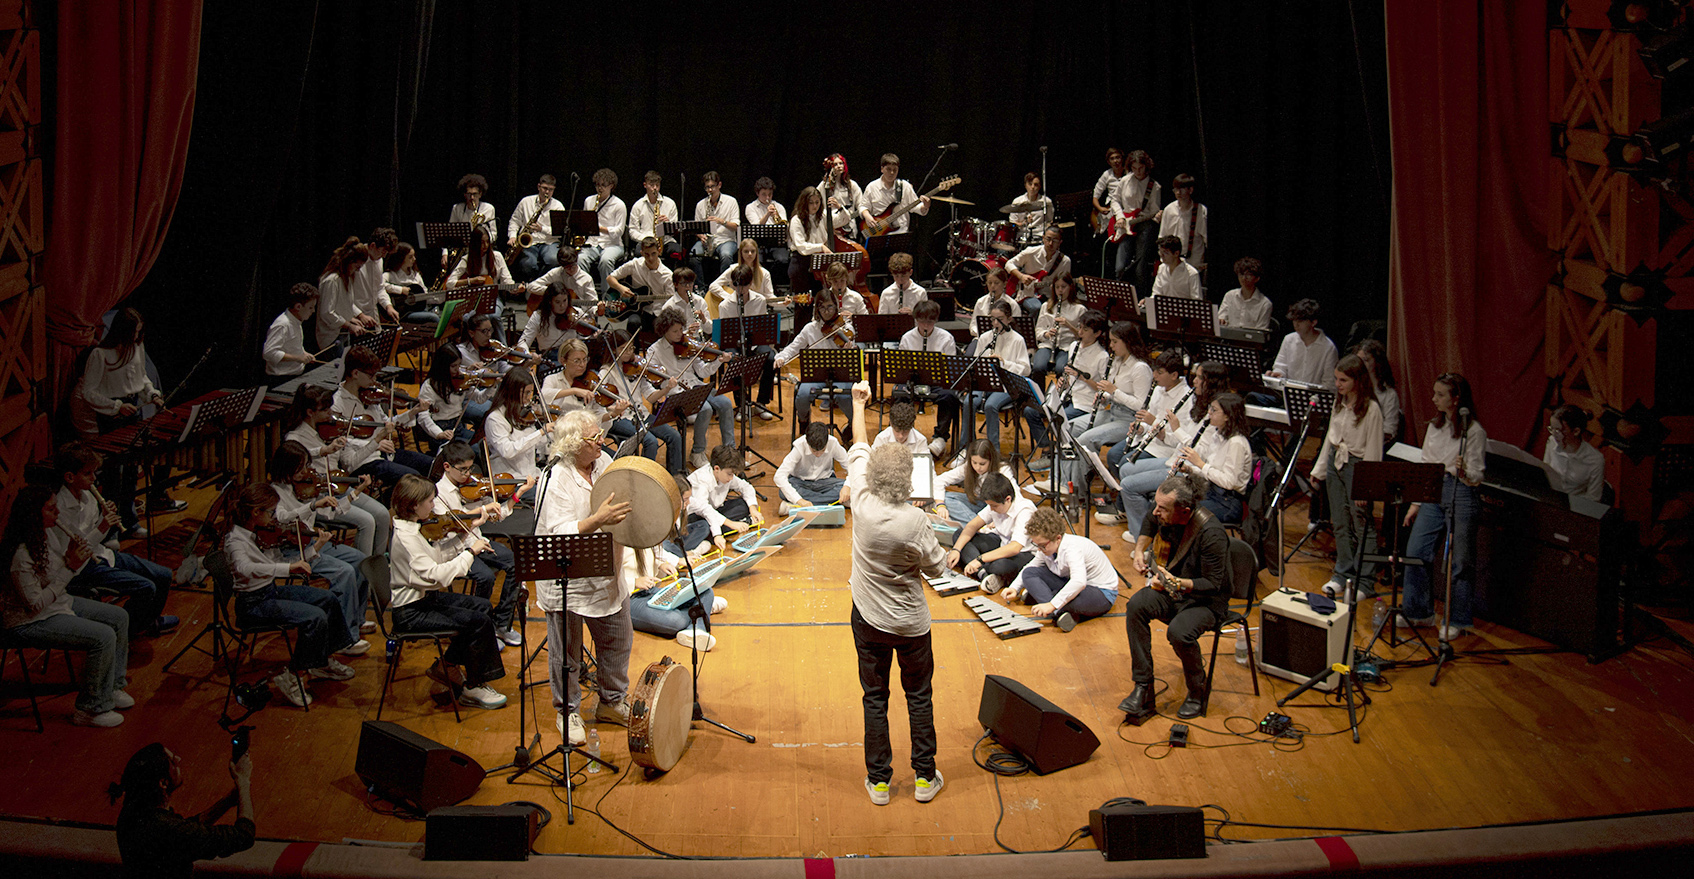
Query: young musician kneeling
(422, 572)
(1070, 578)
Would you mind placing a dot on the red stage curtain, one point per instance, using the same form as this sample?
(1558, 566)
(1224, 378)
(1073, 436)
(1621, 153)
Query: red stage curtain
(1468, 261)
(126, 82)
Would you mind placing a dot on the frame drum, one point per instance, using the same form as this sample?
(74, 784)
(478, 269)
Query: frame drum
(661, 711)
(652, 495)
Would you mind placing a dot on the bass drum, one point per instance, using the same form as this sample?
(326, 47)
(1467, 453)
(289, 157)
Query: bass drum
(652, 494)
(967, 280)
(661, 710)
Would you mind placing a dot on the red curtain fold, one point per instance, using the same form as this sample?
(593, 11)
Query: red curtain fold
(125, 106)
(1468, 260)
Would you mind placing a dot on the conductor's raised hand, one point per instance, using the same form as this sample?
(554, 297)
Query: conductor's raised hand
(862, 392)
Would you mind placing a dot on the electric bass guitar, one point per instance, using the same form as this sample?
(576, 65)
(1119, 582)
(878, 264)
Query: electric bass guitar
(883, 223)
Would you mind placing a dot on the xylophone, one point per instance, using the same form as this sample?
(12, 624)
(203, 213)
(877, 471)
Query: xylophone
(1002, 622)
(952, 583)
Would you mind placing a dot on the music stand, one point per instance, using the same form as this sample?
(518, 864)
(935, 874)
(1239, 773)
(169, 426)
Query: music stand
(967, 376)
(556, 557)
(748, 331)
(450, 237)
(1245, 362)
(740, 372)
(1110, 296)
(1023, 323)
(880, 247)
(944, 298)
(834, 368)
(875, 329)
(1396, 483)
(1182, 317)
(822, 261)
(1023, 394)
(222, 413)
(1311, 406)
(918, 375)
(677, 407)
(482, 297)
(583, 225)
(381, 343)
(766, 234)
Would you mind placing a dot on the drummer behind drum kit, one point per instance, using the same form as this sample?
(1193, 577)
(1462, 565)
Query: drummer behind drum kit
(976, 246)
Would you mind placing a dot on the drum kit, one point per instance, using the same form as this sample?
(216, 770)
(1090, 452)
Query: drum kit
(976, 246)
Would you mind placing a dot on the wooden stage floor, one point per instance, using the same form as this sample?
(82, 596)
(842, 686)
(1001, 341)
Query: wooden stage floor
(1503, 738)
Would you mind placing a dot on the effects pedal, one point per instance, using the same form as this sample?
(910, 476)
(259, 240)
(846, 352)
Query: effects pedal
(1275, 724)
(1179, 735)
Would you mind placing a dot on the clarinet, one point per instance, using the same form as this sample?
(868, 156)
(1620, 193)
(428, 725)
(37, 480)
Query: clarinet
(1152, 432)
(1111, 376)
(1070, 361)
(1176, 462)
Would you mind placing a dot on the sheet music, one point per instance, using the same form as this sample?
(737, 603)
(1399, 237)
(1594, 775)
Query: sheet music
(193, 418)
(923, 478)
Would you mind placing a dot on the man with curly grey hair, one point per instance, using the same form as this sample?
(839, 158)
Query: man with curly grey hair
(893, 547)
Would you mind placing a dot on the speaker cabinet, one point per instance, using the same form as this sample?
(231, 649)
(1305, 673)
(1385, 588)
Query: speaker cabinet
(479, 833)
(1297, 643)
(1133, 833)
(405, 768)
(1045, 734)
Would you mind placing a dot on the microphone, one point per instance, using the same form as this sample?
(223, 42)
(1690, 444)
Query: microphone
(575, 176)
(948, 146)
(1043, 150)
(1464, 415)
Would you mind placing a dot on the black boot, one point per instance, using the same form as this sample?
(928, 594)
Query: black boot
(1194, 676)
(1138, 705)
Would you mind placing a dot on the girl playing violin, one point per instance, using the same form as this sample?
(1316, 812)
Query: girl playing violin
(306, 500)
(453, 473)
(554, 321)
(450, 405)
(365, 514)
(671, 356)
(575, 386)
(633, 380)
(829, 329)
(375, 454)
(257, 564)
(515, 430)
(479, 354)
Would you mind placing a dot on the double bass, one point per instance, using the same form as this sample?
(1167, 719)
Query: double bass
(838, 244)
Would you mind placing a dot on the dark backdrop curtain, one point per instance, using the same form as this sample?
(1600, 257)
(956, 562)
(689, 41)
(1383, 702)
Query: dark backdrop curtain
(1469, 262)
(316, 122)
(125, 104)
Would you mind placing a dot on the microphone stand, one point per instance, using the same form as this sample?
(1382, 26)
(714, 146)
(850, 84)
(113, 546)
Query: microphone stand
(1444, 648)
(699, 615)
(1281, 487)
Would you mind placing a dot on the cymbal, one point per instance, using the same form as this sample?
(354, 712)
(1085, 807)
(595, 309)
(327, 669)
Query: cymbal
(951, 200)
(1065, 225)
(1019, 207)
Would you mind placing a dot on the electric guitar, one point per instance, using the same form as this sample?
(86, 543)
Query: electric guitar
(1121, 225)
(617, 304)
(884, 222)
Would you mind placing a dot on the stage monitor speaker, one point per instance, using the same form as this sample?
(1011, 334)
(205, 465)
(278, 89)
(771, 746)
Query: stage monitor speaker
(1045, 734)
(1132, 833)
(480, 833)
(1297, 643)
(407, 769)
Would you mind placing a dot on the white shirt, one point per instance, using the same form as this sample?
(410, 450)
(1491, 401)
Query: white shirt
(849, 196)
(567, 502)
(612, 215)
(801, 243)
(1049, 333)
(1106, 188)
(725, 288)
(1134, 378)
(359, 452)
(1009, 348)
(254, 567)
(956, 476)
(852, 303)
(80, 516)
(635, 275)
(420, 566)
(896, 297)
(1176, 399)
(513, 450)
(984, 303)
(727, 210)
(1312, 364)
(810, 336)
(641, 217)
(399, 284)
(1389, 400)
(760, 214)
(1097, 362)
(802, 463)
(1174, 221)
(1183, 281)
(526, 211)
(579, 282)
(916, 442)
(335, 308)
(307, 436)
(879, 197)
(1034, 260)
(105, 382)
(937, 340)
(755, 301)
(1582, 472)
(1440, 446)
(286, 336)
(494, 266)
(709, 495)
(662, 354)
(1229, 462)
(1143, 195)
(1243, 314)
(370, 294)
(1082, 563)
(1037, 220)
(1011, 526)
(1352, 437)
(544, 336)
(484, 219)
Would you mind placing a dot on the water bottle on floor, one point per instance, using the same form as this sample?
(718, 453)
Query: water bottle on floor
(593, 750)
(1379, 614)
(1241, 636)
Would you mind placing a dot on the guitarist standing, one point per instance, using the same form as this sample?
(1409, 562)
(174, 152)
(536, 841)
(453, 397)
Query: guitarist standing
(1138, 200)
(1189, 591)
(889, 193)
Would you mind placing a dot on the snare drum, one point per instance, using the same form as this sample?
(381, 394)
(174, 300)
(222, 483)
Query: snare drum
(651, 493)
(661, 709)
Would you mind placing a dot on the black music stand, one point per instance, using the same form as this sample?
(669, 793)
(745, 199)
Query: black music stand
(921, 376)
(381, 343)
(881, 247)
(875, 329)
(1114, 298)
(482, 297)
(747, 334)
(684, 230)
(1181, 318)
(1311, 405)
(1245, 362)
(1023, 323)
(677, 407)
(740, 373)
(835, 369)
(583, 225)
(1023, 395)
(556, 557)
(451, 238)
(821, 261)
(1395, 483)
(967, 376)
(766, 234)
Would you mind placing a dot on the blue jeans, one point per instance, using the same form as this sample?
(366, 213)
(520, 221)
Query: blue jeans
(339, 565)
(826, 490)
(321, 626)
(960, 509)
(725, 410)
(806, 392)
(1046, 360)
(1043, 584)
(1106, 430)
(534, 261)
(999, 400)
(464, 431)
(145, 583)
(602, 261)
(1425, 543)
(1228, 506)
(369, 519)
(1140, 479)
(102, 631)
(664, 622)
(725, 253)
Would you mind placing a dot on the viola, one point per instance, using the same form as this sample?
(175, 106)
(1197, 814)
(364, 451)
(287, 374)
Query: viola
(638, 367)
(376, 395)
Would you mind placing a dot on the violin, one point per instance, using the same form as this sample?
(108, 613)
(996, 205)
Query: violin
(357, 428)
(463, 379)
(501, 487)
(840, 330)
(500, 351)
(638, 367)
(434, 529)
(376, 395)
(591, 381)
(275, 535)
(337, 483)
(690, 348)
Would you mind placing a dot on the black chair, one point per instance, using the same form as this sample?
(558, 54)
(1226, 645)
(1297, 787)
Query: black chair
(378, 574)
(225, 622)
(9, 644)
(1243, 588)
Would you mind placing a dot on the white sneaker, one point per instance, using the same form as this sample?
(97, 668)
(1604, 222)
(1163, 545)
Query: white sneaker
(698, 461)
(1448, 633)
(1110, 518)
(705, 641)
(367, 627)
(510, 637)
(937, 445)
(784, 508)
(992, 584)
(719, 604)
(292, 689)
(1130, 536)
(104, 720)
(122, 701)
(357, 648)
(1406, 622)
(766, 416)
(577, 733)
(332, 671)
(925, 788)
(878, 791)
(1332, 588)
(482, 697)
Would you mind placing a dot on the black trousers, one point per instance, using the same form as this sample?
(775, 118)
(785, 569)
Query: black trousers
(985, 542)
(877, 650)
(471, 617)
(1187, 619)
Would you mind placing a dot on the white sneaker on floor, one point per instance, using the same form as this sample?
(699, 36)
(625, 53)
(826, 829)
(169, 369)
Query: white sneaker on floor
(992, 584)
(705, 641)
(510, 637)
(937, 445)
(122, 701)
(766, 416)
(878, 791)
(481, 697)
(367, 627)
(1448, 633)
(333, 671)
(577, 733)
(925, 789)
(1130, 536)
(1110, 518)
(784, 508)
(357, 648)
(104, 720)
(292, 689)
(1332, 588)
(719, 604)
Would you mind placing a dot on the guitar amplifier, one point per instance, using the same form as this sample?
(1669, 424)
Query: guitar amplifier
(1298, 643)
